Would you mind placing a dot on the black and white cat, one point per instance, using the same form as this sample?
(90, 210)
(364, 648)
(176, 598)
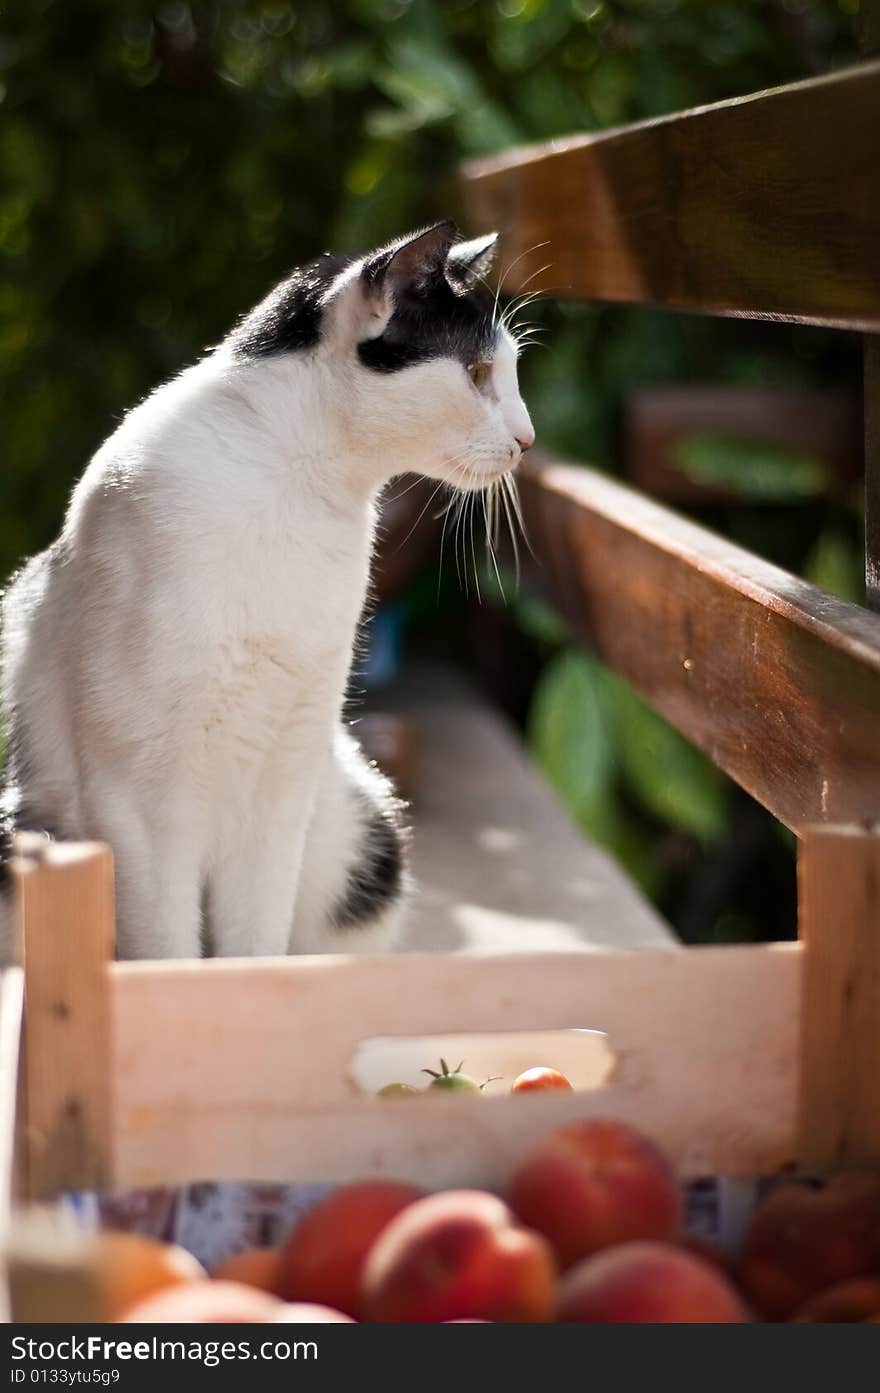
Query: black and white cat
(174, 665)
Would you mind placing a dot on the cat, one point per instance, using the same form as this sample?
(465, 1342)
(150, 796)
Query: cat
(175, 664)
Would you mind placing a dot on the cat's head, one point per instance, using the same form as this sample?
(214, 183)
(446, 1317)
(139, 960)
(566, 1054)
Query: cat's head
(410, 342)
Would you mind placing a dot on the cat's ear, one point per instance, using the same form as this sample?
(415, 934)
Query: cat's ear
(470, 262)
(411, 264)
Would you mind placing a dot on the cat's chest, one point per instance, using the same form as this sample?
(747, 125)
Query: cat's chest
(289, 583)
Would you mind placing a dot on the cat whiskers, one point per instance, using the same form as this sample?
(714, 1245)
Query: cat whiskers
(509, 268)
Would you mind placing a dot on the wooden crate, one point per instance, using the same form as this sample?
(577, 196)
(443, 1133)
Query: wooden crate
(738, 1060)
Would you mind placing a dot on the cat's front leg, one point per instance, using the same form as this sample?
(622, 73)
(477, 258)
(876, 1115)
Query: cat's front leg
(158, 883)
(252, 890)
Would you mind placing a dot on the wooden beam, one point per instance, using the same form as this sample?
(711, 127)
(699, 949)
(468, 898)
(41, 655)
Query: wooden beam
(839, 895)
(776, 680)
(765, 206)
(705, 1043)
(65, 897)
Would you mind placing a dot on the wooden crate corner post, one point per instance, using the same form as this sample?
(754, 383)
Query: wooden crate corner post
(66, 928)
(839, 894)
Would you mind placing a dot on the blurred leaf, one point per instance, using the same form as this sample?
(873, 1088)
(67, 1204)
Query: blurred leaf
(538, 620)
(836, 564)
(670, 776)
(749, 468)
(571, 734)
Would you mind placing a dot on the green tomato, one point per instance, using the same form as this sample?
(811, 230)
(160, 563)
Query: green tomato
(452, 1079)
(398, 1090)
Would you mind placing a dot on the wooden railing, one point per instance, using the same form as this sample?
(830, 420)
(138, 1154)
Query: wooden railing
(767, 206)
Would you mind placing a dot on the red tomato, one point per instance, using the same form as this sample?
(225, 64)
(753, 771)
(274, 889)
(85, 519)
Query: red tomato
(534, 1080)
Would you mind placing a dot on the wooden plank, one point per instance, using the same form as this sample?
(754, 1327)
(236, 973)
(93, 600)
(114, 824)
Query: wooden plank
(776, 680)
(872, 472)
(765, 206)
(65, 894)
(705, 1042)
(497, 861)
(11, 997)
(839, 875)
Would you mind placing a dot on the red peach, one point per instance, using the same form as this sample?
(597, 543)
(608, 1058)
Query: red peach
(324, 1256)
(645, 1284)
(856, 1300)
(255, 1267)
(595, 1183)
(206, 1303)
(803, 1239)
(131, 1267)
(708, 1251)
(456, 1255)
(308, 1313)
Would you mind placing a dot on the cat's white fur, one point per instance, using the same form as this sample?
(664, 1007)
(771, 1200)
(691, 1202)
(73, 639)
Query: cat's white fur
(184, 656)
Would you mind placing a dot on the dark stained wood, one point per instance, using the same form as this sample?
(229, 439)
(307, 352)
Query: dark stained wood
(823, 424)
(839, 894)
(777, 681)
(764, 206)
(872, 472)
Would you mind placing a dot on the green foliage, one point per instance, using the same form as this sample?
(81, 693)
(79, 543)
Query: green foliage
(835, 563)
(615, 762)
(750, 469)
(667, 774)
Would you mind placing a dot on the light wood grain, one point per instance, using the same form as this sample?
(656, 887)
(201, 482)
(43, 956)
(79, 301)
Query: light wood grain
(766, 206)
(778, 681)
(66, 905)
(839, 873)
(11, 999)
(53, 1270)
(248, 1075)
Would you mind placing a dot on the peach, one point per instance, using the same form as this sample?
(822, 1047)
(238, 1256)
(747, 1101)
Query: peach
(324, 1256)
(131, 1268)
(856, 1300)
(457, 1255)
(255, 1267)
(707, 1250)
(207, 1303)
(592, 1184)
(802, 1239)
(308, 1313)
(647, 1283)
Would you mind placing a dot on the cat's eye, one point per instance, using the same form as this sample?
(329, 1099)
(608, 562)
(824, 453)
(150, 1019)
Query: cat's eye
(479, 374)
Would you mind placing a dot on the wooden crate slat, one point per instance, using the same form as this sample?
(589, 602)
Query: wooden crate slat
(765, 206)
(66, 907)
(777, 681)
(839, 874)
(247, 1074)
(11, 1001)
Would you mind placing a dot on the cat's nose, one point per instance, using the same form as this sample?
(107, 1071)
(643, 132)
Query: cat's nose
(525, 440)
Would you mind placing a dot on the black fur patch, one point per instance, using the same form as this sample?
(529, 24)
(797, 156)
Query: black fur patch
(375, 881)
(289, 319)
(433, 322)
